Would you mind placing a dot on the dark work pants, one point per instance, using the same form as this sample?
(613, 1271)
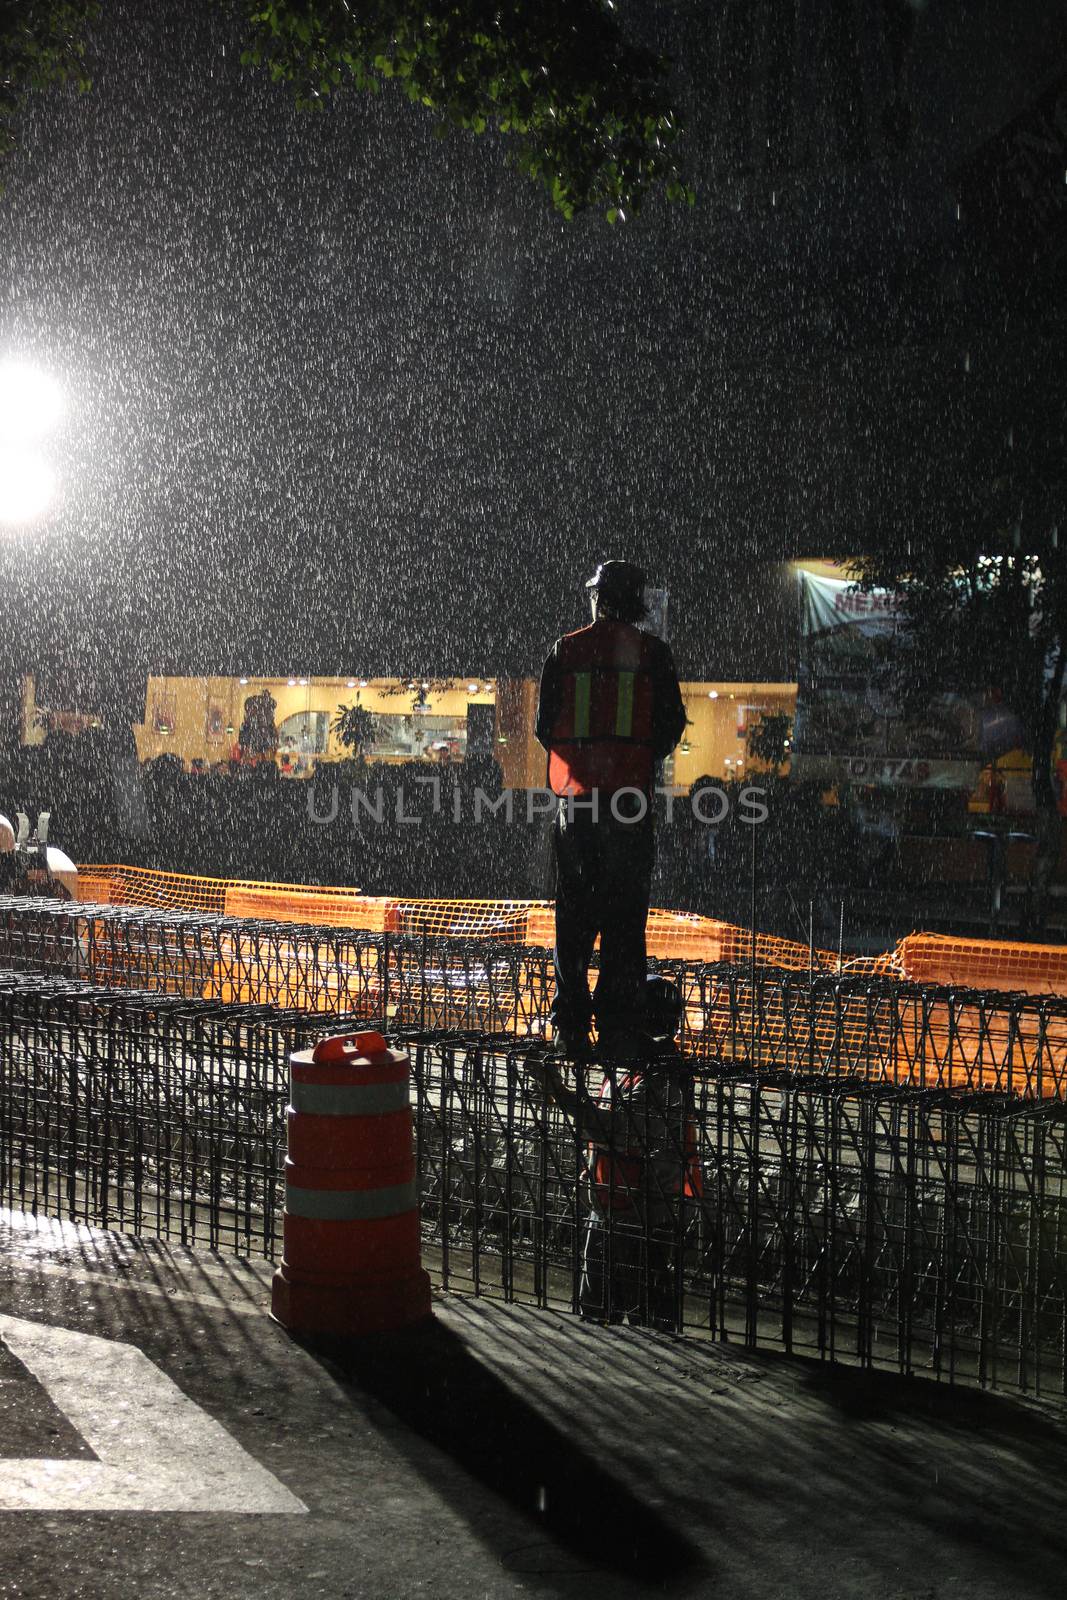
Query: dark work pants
(603, 877)
(626, 1274)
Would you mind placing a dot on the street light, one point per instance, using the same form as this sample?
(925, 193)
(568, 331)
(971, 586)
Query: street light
(27, 486)
(31, 403)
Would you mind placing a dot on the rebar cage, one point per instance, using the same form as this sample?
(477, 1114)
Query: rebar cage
(893, 1225)
(869, 1026)
(917, 1229)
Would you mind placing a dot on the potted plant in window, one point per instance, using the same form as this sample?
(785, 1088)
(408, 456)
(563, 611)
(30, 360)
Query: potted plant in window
(354, 728)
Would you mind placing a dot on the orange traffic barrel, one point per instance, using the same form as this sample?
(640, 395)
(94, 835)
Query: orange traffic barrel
(350, 1261)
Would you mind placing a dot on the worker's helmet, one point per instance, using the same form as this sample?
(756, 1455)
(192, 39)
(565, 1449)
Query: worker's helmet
(621, 584)
(663, 1006)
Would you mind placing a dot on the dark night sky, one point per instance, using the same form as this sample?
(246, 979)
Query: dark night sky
(345, 397)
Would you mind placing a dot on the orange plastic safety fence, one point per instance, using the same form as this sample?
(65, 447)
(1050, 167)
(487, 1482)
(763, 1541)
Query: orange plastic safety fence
(144, 886)
(984, 963)
(318, 907)
(920, 957)
(678, 934)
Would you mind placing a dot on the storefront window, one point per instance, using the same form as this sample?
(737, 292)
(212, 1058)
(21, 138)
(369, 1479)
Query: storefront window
(306, 733)
(417, 737)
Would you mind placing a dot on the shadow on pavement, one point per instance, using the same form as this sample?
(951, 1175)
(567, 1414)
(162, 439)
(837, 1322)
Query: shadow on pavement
(429, 1380)
(870, 1396)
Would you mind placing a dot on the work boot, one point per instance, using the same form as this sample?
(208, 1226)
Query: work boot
(572, 1044)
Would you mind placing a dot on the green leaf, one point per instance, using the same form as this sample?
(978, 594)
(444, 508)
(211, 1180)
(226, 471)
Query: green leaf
(586, 109)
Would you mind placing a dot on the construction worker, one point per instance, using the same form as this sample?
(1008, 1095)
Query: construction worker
(643, 1164)
(610, 708)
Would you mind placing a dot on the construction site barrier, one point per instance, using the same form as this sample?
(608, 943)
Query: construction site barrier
(351, 1228)
(672, 935)
(983, 963)
(310, 906)
(918, 1230)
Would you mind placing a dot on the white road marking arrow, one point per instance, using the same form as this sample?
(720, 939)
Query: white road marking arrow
(156, 1449)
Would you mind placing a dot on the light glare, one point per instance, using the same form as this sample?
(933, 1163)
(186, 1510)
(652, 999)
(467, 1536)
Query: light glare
(27, 485)
(31, 402)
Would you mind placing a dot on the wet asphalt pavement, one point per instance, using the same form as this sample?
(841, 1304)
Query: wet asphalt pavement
(496, 1451)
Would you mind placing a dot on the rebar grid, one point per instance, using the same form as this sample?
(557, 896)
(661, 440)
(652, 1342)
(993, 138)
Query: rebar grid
(872, 1027)
(147, 1113)
(924, 1230)
(888, 1226)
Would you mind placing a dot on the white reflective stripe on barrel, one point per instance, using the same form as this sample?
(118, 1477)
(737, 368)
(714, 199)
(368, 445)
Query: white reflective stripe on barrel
(348, 1099)
(350, 1205)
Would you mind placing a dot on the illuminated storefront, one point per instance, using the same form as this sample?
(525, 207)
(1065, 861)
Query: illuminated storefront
(209, 723)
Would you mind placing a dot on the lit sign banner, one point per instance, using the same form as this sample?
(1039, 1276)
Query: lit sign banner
(832, 603)
(886, 772)
(848, 728)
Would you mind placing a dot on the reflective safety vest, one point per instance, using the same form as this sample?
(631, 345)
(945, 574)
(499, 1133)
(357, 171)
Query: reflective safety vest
(602, 736)
(619, 1175)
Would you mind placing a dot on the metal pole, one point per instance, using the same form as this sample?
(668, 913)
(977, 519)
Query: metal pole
(385, 981)
(752, 953)
(752, 904)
